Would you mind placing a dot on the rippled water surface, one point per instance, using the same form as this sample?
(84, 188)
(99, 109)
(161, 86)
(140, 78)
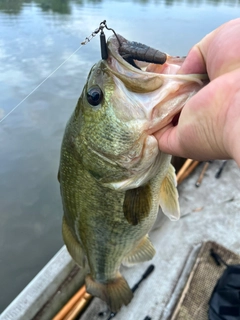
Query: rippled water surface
(35, 38)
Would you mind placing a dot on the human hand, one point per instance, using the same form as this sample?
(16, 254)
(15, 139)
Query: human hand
(209, 124)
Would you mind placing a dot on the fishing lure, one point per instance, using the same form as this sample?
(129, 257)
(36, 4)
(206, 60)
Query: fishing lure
(129, 50)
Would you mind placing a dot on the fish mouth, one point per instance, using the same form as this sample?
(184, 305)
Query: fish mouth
(153, 76)
(140, 58)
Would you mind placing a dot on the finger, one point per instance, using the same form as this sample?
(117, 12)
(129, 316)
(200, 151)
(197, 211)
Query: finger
(217, 53)
(167, 140)
(222, 49)
(194, 62)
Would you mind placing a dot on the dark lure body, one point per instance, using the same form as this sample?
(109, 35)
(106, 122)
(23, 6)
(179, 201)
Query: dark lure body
(134, 50)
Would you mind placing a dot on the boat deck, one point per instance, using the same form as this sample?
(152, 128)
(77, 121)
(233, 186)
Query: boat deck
(210, 212)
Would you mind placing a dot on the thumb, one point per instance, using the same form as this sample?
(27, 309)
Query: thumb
(168, 141)
(194, 62)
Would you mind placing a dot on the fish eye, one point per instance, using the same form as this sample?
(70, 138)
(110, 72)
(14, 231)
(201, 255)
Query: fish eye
(94, 95)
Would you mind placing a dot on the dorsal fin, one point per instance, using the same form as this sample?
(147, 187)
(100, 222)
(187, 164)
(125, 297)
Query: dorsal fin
(73, 246)
(58, 175)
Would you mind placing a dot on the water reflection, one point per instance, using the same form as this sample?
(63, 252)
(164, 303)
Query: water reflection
(15, 6)
(64, 7)
(11, 6)
(36, 37)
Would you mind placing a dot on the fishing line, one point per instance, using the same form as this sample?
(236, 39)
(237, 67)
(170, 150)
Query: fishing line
(102, 25)
(40, 84)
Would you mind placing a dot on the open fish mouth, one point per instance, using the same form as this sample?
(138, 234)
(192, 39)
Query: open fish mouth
(153, 75)
(140, 58)
(139, 55)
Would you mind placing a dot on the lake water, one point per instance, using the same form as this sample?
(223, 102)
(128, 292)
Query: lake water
(35, 38)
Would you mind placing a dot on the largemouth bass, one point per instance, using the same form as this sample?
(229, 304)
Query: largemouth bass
(112, 175)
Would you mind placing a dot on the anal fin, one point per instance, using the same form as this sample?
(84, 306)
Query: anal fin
(115, 292)
(144, 251)
(168, 197)
(73, 246)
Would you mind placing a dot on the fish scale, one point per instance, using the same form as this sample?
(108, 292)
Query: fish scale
(112, 175)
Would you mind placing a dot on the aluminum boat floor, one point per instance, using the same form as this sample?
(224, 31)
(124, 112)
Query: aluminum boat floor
(210, 212)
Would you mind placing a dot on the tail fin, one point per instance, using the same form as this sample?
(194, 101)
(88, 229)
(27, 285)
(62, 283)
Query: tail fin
(115, 292)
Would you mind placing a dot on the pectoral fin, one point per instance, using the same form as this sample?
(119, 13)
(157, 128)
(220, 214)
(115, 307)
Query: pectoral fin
(74, 247)
(144, 251)
(168, 199)
(137, 204)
